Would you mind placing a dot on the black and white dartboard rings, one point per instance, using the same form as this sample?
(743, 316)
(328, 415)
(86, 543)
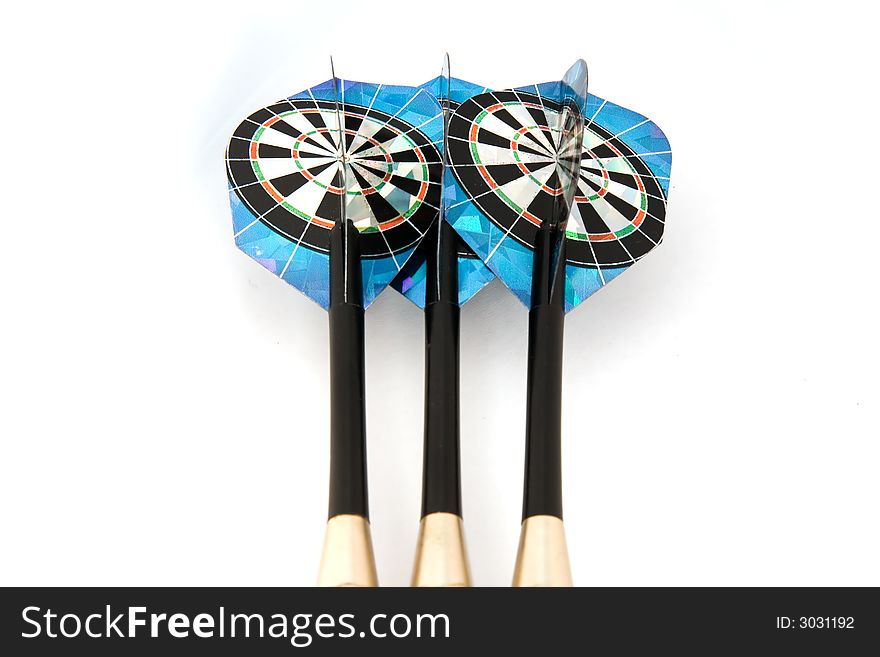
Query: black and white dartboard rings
(283, 163)
(503, 148)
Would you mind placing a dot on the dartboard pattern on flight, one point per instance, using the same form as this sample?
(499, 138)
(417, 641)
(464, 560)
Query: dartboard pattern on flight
(284, 169)
(505, 153)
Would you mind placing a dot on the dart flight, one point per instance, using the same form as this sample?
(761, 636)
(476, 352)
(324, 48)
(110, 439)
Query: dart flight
(332, 189)
(558, 193)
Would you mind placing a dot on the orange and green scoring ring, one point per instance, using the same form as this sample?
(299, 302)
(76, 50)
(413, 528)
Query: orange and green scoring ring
(270, 189)
(472, 137)
(640, 217)
(643, 200)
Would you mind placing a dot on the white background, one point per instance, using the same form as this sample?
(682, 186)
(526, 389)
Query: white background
(164, 399)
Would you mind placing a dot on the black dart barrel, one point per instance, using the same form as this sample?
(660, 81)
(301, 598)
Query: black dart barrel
(441, 484)
(542, 492)
(348, 460)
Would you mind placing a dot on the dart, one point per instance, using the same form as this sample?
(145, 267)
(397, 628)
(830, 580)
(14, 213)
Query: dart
(442, 275)
(331, 190)
(558, 193)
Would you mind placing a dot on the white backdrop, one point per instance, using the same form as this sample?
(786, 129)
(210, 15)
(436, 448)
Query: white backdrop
(164, 399)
